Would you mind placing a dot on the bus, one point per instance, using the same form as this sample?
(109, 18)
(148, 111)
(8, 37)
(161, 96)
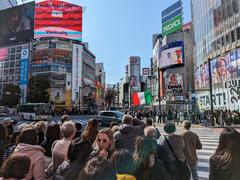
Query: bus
(35, 111)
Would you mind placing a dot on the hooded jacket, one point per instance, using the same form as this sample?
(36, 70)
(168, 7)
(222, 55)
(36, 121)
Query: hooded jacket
(126, 135)
(35, 153)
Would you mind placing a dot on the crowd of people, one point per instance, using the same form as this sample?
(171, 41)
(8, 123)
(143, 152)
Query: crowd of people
(132, 150)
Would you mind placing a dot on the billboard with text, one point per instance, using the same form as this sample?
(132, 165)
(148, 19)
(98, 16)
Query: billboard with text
(16, 24)
(54, 18)
(172, 18)
(172, 54)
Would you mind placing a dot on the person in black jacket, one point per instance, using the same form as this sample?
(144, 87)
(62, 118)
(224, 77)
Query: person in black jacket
(225, 163)
(127, 133)
(78, 153)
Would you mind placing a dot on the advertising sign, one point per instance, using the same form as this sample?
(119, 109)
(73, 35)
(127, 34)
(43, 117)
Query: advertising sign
(68, 95)
(227, 97)
(54, 18)
(204, 75)
(134, 73)
(24, 67)
(76, 70)
(172, 11)
(172, 18)
(174, 83)
(16, 24)
(145, 71)
(3, 54)
(172, 54)
(172, 25)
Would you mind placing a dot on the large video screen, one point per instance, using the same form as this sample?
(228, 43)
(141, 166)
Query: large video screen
(16, 24)
(54, 18)
(3, 54)
(171, 55)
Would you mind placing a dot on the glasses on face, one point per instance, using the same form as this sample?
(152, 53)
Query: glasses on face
(102, 140)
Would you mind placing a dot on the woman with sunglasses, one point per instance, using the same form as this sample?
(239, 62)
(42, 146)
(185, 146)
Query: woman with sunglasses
(103, 144)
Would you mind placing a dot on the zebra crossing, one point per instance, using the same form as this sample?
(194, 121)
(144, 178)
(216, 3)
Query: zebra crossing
(209, 141)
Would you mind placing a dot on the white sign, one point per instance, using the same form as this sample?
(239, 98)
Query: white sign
(76, 70)
(25, 53)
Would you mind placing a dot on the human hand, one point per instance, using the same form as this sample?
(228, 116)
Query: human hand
(103, 153)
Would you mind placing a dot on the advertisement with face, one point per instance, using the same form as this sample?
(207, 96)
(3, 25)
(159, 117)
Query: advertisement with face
(204, 75)
(133, 81)
(172, 54)
(54, 18)
(16, 24)
(220, 73)
(197, 78)
(238, 61)
(174, 83)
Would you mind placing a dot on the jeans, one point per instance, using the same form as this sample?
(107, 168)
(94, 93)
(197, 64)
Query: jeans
(193, 168)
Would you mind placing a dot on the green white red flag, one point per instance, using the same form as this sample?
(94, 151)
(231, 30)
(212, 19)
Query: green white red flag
(140, 98)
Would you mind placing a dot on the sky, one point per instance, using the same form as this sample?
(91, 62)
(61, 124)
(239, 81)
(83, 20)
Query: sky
(118, 29)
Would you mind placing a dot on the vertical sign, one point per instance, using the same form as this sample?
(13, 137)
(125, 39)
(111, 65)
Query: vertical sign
(76, 71)
(24, 74)
(68, 100)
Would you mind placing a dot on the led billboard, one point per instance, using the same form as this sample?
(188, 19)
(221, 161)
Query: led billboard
(172, 54)
(54, 18)
(3, 54)
(16, 24)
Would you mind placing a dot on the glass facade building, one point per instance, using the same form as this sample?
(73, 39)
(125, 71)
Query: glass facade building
(217, 54)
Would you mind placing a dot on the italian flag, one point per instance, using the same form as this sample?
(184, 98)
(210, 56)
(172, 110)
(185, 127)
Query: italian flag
(139, 98)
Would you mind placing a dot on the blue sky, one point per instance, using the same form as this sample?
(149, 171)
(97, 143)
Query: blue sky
(118, 29)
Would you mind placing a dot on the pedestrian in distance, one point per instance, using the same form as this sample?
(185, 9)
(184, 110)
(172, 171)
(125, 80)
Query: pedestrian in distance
(192, 142)
(15, 167)
(225, 163)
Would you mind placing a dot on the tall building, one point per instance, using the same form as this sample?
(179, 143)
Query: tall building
(176, 80)
(100, 84)
(7, 4)
(217, 54)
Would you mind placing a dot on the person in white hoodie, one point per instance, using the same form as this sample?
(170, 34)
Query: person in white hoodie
(27, 145)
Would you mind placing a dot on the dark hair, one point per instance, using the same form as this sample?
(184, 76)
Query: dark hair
(78, 126)
(143, 149)
(186, 125)
(149, 122)
(28, 136)
(16, 166)
(97, 168)
(79, 150)
(122, 160)
(90, 132)
(113, 124)
(228, 149)
(3, 133)
(53, 132)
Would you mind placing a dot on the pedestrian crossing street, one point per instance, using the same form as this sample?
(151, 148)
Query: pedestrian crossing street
(209, 141)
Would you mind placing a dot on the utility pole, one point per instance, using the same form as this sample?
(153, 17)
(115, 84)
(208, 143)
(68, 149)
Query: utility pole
(211, 96)
(159, 91)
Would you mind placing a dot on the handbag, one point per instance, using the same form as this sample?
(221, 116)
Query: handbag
(183, 172)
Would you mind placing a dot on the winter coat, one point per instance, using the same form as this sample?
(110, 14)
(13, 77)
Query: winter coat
(126, 135)
(35, 153)
(177, 143)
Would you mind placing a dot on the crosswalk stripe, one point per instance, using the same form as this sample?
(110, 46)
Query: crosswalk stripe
(210, 143)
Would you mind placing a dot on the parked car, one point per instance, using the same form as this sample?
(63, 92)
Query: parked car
(4, 111)
(106, 117)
